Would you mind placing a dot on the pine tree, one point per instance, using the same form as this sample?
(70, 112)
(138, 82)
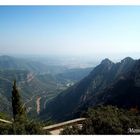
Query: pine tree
(19, 113)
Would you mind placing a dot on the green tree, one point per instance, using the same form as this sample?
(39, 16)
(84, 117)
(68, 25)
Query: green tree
(22, 125)
(19, 112)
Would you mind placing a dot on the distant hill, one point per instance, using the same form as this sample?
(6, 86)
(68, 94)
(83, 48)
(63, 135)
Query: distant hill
(34, 80)
(108, 83)
(28, 83)
(13, 63)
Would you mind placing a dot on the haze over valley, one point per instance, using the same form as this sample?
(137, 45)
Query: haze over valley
(69, 69)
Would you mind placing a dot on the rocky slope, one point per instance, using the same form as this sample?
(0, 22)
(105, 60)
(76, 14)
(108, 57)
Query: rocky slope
(91, 90)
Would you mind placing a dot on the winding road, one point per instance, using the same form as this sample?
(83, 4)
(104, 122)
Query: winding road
(38, 105)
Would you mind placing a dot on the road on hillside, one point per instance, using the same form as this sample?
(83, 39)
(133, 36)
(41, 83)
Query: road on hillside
(38, 105)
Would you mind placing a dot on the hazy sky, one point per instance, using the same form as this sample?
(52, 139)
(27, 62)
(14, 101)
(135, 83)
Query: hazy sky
(70, 30)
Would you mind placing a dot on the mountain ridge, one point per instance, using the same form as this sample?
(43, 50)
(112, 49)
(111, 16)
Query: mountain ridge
(100, 78)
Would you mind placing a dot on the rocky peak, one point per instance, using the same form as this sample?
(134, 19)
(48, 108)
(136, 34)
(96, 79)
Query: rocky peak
(127, 60)
(106, 61)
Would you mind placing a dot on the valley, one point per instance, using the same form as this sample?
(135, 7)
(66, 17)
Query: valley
(36, 84)
(63, 96)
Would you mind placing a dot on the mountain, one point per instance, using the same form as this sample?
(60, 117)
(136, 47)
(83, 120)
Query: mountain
(125, 92)
(35, 81)
(30, 86)
(90, 91)
(27, 74)
(28, 83)
(13, 63)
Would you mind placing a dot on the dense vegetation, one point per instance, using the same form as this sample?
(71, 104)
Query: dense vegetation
(106, 120)
(29, 128)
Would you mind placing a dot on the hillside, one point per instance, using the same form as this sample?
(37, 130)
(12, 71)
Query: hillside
(31, 88)
(13, 63)
(90, 91)
(125, 92)
(35, 81)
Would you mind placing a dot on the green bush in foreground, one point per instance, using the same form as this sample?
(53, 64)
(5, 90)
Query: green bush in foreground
(73, 130)
(30, 128)
(106, 120)
(6, 129)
